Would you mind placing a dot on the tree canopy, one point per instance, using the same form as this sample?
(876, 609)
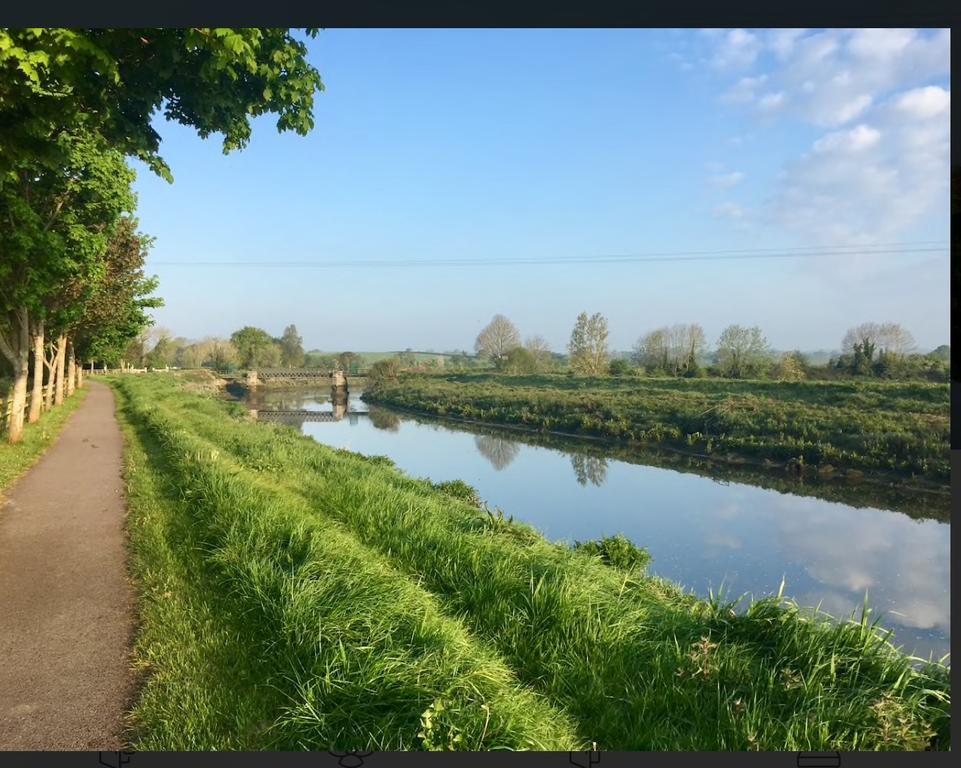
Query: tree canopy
(114, 81)
(497, 338)
(588, 344)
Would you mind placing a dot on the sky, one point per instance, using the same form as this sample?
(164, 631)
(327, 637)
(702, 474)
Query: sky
(554, 146)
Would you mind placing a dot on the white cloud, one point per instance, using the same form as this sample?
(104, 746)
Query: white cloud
(771, 101)
(881, 164)
(782, 41)
(927, 102)
(870, 183)
(726, 180)
(736, 49)
(832, 77)
(880, 43)
(856, 140)
(744, 90)
(850, 110)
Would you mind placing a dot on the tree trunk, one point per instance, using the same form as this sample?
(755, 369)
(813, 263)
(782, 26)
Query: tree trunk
(58, 370)
(15, 346)
(71, 369)
(36, 396)
(48, 363)
(79, 374)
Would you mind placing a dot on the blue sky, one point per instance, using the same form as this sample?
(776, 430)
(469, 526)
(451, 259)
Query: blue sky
(547, 144)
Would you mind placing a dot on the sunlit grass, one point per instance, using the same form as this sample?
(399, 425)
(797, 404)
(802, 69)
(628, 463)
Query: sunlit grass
(364, 608)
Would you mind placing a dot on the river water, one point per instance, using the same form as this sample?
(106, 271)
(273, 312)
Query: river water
(705, 532)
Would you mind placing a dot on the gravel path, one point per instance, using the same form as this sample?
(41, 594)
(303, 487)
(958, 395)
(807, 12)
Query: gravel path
(66, 606)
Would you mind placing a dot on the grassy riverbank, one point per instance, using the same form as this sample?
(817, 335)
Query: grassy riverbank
(811, 427)
(295, 596)
(37, 437)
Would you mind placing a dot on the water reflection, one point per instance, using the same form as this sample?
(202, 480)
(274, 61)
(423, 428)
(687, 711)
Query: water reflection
(706, 526)
(589, 469)
(381, 418)
(499, 451)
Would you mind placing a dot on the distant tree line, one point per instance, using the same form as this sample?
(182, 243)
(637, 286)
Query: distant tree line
(884, 350)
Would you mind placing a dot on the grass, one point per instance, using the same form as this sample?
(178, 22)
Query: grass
(295, 596)
(883, 428)
(37, 437)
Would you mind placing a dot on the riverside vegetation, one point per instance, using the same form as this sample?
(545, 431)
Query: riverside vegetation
(297, 596)
(885, 428)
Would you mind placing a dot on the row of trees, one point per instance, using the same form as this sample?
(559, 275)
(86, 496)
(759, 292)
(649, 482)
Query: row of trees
(74, 103)
(248, 347)
(882, 349)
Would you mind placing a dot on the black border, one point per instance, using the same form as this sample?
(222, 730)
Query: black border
(498, 13)
(480, 13)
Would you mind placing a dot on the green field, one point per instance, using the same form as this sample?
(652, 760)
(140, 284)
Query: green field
(886, 428)
(368, 358)
(295, 596)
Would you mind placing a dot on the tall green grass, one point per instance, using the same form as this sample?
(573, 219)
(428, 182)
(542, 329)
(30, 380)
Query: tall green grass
(315, 643)
(635, 662)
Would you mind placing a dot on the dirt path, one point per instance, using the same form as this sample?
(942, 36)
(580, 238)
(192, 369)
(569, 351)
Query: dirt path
(66, 606)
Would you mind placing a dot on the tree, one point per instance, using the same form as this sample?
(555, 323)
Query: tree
(652, 351)
(620, 367)
(497, 338)
(291, 348)
(223, 355)
(384, 370)
(254, 347)
(672, 349)
(588, 345)
(540, 351)
(942, 353)
(118, 309)
(888, 340)
(57, 224)
(193, 355)
(162, 353)
(791, 367)
(65, 91)
(741, 351)
(518, 360)
(116, 80)
(348, 361)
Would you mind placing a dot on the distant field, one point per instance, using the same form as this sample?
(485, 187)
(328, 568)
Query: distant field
(369, 358)
(874, 426)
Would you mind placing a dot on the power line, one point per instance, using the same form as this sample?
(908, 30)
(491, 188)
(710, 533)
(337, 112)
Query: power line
(654, 256)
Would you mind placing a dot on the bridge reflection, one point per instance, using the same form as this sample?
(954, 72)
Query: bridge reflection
(297, 417)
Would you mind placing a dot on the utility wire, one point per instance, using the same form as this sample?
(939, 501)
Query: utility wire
(653, 256)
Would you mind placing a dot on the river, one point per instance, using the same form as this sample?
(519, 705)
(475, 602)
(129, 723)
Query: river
(708, 533)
